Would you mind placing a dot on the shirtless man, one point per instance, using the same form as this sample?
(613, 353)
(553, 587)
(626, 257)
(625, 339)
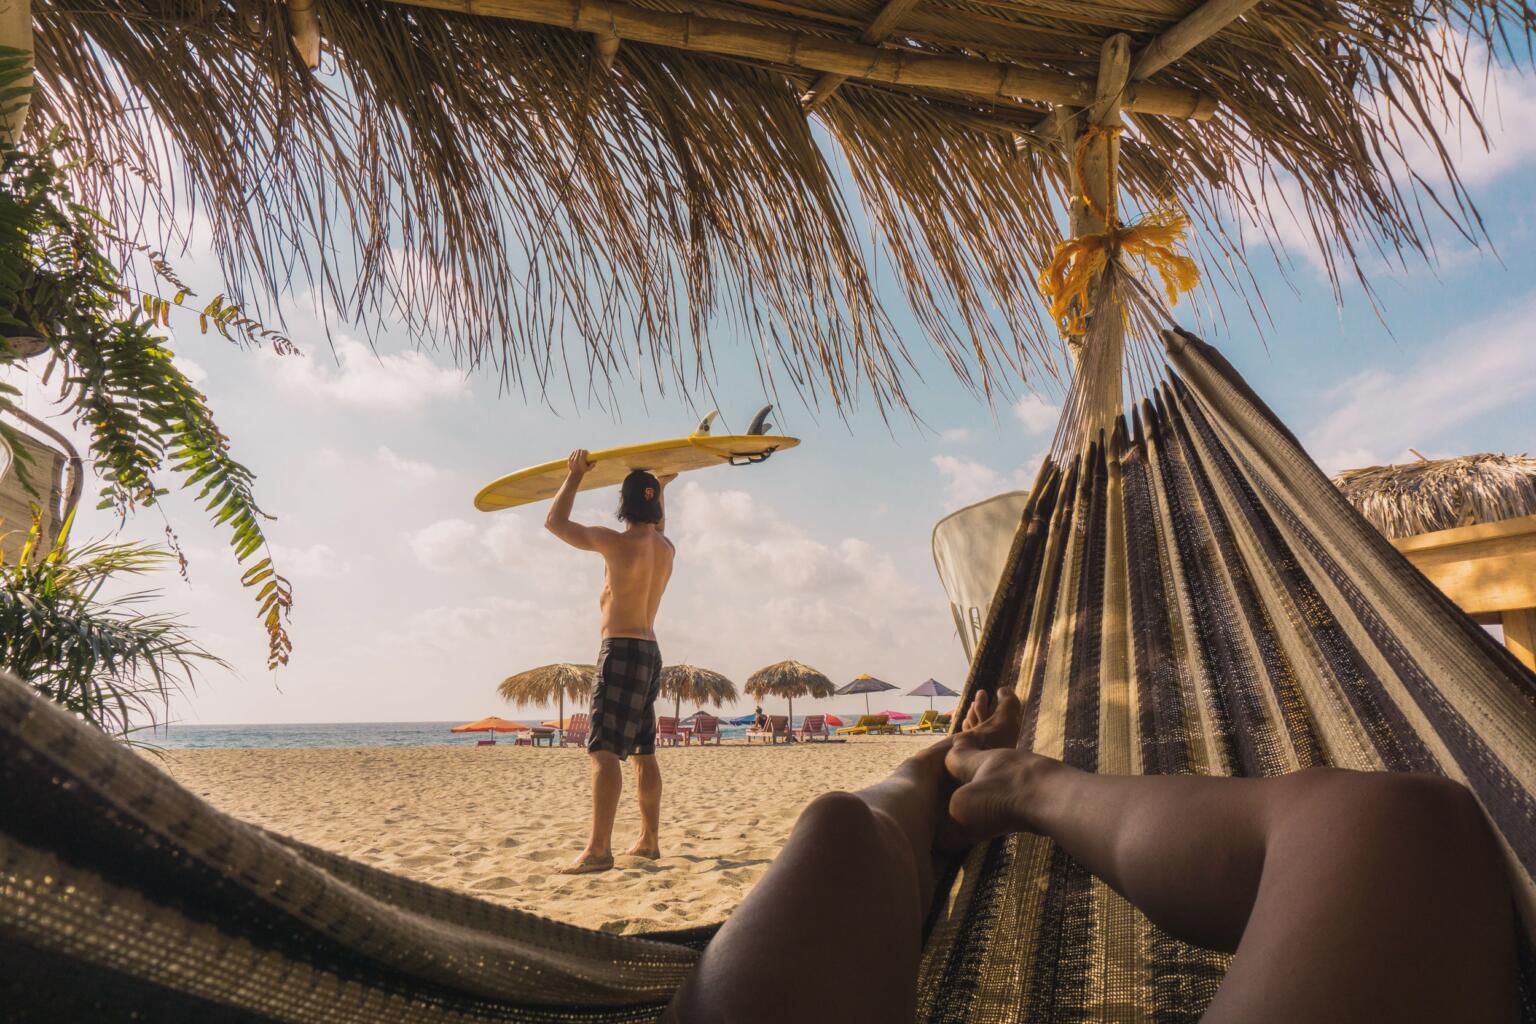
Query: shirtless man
(639, 564)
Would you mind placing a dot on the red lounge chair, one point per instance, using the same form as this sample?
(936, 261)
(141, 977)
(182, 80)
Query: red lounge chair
(706, 728)
(667, 732)
(575, 732)
(814, 726)
(778, 726)
(485, 743)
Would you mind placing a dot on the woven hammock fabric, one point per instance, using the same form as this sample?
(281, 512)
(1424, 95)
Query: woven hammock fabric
(1190, 595)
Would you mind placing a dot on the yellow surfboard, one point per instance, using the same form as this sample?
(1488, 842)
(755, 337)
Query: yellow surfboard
(611, 465)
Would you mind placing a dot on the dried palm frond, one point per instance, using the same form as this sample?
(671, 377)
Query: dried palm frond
(548, 683)
(1438, 494)
(499, 187)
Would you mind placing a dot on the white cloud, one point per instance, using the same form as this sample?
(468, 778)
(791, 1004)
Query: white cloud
(955, 434)
(1037, 415)
(398, 382)
(1381, 413)
(317, 561)
(408, 469)
(967, 481)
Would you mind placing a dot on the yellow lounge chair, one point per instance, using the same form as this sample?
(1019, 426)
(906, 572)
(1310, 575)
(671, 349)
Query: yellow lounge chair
(926, 723)
(865, 725)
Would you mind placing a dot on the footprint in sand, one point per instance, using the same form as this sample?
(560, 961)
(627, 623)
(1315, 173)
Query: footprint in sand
(422, 861)
(495, 882)
(508, 843)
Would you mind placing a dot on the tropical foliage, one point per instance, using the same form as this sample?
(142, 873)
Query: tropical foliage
(65, 301)
(98, 656)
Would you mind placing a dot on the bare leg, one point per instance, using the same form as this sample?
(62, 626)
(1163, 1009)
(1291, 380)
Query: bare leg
(607, 784)
(1347, 896)
(648, 787)
(783, 957)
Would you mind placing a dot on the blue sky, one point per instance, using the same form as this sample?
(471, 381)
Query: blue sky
(412, 606)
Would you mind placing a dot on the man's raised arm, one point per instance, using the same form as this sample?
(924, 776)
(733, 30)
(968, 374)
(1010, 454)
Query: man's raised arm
(558, 522)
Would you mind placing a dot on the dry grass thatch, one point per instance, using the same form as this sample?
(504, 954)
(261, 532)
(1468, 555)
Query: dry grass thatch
(548, 684)
(696, 685)
(789, 679)
(1438, 494)
(500, 187)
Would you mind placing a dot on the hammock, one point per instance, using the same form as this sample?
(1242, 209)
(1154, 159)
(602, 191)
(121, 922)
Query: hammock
(1188, 593)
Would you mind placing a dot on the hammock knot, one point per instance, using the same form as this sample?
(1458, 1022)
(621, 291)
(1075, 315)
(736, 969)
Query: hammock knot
(1078, 262)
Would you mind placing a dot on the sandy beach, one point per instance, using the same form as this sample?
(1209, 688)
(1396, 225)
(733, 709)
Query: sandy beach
(497, 821)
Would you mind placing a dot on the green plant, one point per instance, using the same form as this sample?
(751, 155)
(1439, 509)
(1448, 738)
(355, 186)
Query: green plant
(98, 656)
(63, 298)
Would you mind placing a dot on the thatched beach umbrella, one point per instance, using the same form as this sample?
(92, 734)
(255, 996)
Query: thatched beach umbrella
(1438, 494)
(696, 686)
(549, 683)
(789, 679)
(865, 684)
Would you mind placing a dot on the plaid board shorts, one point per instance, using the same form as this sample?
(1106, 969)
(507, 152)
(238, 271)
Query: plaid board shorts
(624, 699)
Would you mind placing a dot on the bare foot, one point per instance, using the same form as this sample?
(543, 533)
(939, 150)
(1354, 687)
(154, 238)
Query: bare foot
(995, 778)
(588, 864)
(650, 851)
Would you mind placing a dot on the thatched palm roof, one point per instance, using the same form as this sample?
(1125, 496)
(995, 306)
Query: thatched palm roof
(639, 176)
(1438, 494)
(789, 679)
(548, 684)
(696, 685)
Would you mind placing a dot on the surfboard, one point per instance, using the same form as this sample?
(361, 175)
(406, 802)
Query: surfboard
(611, 465)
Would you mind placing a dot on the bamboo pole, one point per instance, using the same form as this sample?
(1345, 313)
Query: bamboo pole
(1195, 28)
(304, 29)
(882, 26)
(891, 64)
(1095, 172)
(16, 33)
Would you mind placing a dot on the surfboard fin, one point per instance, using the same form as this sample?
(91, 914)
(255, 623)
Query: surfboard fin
(760, 424)
(704, 424)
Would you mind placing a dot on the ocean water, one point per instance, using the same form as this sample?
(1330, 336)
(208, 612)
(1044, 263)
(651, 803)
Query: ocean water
(342, 734)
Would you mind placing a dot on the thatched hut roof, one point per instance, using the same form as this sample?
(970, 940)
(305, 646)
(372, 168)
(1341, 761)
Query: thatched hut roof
(1438, 494)
(637, 176)
(789, 679)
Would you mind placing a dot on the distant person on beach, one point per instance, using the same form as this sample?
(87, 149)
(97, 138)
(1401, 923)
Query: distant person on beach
(639, 564)
(760, 720)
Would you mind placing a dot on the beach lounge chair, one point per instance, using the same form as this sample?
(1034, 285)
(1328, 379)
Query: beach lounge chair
(942, 725)
(815, 726)
(778, 729)
(865, 725)
(575, 732)
(927, 722)
(667, 731)
(485, 743)
(706, 729)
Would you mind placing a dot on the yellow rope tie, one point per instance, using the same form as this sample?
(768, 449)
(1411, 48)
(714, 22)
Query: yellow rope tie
(1065, 284)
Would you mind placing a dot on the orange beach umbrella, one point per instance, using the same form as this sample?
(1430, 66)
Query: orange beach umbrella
(491, 724)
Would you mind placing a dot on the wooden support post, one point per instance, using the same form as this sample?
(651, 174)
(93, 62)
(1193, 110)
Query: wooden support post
(16, 33)
(901, 65)
(304, 29)
(1520, 635)
(607, 49)
(1096, 175)
(882, 26)
(1195, 28)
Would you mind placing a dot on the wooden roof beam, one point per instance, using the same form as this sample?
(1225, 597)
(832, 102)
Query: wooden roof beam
(304, 29)
(883, 25)
(1195, 28)
(982, 79)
